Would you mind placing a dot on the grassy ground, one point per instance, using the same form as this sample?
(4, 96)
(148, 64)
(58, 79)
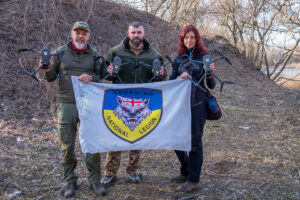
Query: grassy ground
(251, 153)
(258, 162)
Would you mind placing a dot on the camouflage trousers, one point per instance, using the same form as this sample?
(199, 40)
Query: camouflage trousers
(113, 159)
(67, 127)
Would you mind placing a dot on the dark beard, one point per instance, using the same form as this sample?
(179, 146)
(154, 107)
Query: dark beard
(136, 42)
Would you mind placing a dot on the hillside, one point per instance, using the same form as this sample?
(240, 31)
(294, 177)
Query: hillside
(251, 153)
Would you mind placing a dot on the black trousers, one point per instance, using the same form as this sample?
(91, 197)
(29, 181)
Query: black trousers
(191, 163)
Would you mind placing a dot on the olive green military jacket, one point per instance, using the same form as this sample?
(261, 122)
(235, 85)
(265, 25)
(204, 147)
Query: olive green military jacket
(133, 72)
(74, 65)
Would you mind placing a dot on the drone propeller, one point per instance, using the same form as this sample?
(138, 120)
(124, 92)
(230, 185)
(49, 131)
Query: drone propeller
(222, 56)
(28, 49)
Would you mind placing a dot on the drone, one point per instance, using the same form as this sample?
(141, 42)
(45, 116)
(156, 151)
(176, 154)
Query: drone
(207, 60)
(156, 66)
(46, 55)
(117, 64)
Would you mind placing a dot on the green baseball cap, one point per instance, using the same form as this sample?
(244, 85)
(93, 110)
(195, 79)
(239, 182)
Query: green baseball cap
(81, 25)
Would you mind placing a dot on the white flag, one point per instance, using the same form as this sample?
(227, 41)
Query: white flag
(117, 117)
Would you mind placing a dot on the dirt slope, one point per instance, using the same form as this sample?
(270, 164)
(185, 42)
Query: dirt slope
(251, 153)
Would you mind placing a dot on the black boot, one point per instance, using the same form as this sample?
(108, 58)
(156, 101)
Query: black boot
(98, 188)
(70, 190)
(178, 179)
(108, 180)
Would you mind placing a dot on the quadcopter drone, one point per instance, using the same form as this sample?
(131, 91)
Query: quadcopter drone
(46, 55)
(117, 64)
(207, 60)
(156, 66)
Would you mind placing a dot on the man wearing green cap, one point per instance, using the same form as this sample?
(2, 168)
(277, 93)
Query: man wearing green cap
(79, 59)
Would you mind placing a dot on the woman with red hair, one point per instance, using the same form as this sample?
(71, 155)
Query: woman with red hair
(191, 47)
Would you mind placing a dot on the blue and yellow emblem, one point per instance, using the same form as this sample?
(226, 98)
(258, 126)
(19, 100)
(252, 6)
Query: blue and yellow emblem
(131, 114)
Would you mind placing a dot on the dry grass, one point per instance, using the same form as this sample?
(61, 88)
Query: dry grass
(259, 163)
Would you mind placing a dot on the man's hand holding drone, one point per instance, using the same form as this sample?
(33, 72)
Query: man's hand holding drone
(162, 71)
(111, 68)
(41, 64)
(83, 77)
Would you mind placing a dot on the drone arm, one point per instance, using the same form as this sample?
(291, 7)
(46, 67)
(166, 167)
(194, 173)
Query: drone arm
(223, 82)
(169, 59)
(144, 65)
(222, 56)
(197, 61)
(126, 63)
(29, 49)
(215, 60)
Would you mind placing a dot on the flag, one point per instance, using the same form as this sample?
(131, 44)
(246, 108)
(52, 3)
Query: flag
(117, 117)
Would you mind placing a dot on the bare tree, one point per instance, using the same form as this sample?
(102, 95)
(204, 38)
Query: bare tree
(252, 25)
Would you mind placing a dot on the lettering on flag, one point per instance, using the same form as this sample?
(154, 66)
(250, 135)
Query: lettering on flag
(133, 113)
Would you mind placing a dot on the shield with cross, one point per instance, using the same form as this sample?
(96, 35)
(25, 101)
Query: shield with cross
(132, 113)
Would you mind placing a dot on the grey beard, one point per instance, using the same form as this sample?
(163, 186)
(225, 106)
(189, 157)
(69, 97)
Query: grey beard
(136, 43)
(79, 45)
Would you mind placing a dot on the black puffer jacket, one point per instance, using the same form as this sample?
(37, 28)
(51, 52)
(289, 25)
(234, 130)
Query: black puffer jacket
(196, 71)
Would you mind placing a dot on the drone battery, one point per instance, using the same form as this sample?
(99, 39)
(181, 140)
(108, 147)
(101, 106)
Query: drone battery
(116, 65)
(207, 62)
(156, 65)
(46, 55)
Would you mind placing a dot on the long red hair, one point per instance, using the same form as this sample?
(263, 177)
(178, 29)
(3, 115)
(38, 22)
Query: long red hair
(200, 47)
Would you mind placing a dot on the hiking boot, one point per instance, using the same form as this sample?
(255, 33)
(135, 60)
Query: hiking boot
(134, 178)
(187, 187)
(69, 191)
(178, 179)
(108, 180)
(98, 188)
